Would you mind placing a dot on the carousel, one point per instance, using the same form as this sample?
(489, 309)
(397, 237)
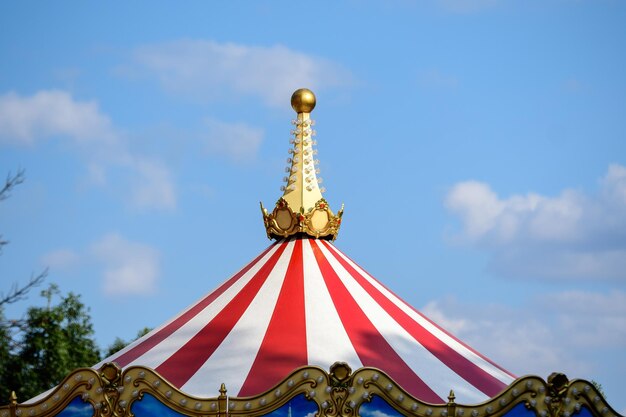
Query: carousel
(303, 331)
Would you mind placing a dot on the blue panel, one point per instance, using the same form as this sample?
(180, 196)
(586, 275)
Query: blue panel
(149, 406)
(378, 408)
(520, 410)
(584, 412)
(300, 407)
(77, 408)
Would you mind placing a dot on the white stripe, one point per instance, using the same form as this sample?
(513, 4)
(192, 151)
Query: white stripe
(232, 360)
(434, 330)
(327, 340)
(439, 377)
(167, 347)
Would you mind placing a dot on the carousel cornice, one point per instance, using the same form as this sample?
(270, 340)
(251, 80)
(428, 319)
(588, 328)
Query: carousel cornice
(302, 209)
(112, 391)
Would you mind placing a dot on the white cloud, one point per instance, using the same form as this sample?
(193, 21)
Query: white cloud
(147, 182)
(60, 259)
(571, 235)
(208, 68)
(478, 206)
(237, 141)
(130, 268)
(559, 262)
(370, 412)
(566, 331)
(27, 120)
(488, 219)
(590, 320)
(49, 113)
(614, 185)
(96, 174)
(153, 186)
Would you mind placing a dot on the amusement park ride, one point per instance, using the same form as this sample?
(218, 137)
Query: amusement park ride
(302, 330)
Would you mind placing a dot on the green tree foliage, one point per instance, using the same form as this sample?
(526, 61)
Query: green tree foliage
(54, 340)
(5, 358)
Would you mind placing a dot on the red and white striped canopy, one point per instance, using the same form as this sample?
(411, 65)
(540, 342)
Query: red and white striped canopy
(303, 302)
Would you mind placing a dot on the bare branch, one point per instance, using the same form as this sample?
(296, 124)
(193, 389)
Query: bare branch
(17, 293)
(2, 243)
(10, 182)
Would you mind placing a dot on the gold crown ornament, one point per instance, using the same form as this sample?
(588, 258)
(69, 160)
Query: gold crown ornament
(302, 209)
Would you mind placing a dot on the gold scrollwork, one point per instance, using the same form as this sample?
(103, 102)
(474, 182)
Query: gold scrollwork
(337, 393)
(319, 221)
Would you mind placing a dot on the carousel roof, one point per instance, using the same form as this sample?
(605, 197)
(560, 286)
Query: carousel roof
(303, 302)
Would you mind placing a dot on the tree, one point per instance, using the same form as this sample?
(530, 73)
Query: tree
(57, 339)
(8, 328)
(5, 359)
(39, 350)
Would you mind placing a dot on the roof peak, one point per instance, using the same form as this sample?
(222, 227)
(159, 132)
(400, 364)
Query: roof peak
(302, 208)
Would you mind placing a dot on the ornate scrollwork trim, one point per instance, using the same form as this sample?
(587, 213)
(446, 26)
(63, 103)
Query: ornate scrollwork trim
(338, 393)
(319, 221)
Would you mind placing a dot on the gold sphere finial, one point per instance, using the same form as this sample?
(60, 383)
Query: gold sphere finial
(303, 100)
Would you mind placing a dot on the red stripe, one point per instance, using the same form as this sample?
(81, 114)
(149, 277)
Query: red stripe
(162, 334)
(370, 345)
(465, 368)
(284, 346)
(186, 361)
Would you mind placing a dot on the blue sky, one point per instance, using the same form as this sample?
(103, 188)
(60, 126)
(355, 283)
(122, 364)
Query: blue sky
(478, 147)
